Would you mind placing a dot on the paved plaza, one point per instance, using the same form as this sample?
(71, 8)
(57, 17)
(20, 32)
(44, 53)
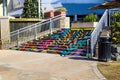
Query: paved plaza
(18, 65)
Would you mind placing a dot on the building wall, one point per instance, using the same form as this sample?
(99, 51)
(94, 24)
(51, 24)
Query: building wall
(13, 4)
(1, 10)
(82, 1)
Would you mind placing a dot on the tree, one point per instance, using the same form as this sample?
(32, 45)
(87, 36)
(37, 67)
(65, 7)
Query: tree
(34, 8)
(1, 1)
(41, 12)
(30, 9)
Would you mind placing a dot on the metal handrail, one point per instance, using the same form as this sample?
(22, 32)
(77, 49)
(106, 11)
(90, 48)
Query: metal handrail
(27, 27)
(31, 32)
(97, 31)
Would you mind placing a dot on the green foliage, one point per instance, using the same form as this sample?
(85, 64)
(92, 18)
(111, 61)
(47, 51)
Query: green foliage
(1, 1)
(27, 9)
(25, 20)
(41, 12)
(30, 9)
(90, 18)
(115, 17)
(34, 9)
(116, 33)
(115, 22)
(61, 10)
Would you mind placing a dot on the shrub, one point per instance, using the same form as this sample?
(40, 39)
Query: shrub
(61, 10)
(115, 17)
(115, 22)
(116, 32)
(90, 18)
(1, 1)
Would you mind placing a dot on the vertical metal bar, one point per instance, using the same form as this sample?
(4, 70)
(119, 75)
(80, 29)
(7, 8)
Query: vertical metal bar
(75, 17)
(4, 7)
(109, 12)
(32, 31)
(50, 26)
(88, 45)
(35, 31)
(39, 2)
(18, 38)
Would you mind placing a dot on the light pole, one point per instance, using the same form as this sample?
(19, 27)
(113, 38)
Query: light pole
(4, 7)
(39, 1)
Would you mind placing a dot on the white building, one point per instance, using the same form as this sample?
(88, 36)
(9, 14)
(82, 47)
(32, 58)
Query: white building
(15, 7)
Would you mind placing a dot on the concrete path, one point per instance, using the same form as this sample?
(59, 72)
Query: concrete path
(18, 65)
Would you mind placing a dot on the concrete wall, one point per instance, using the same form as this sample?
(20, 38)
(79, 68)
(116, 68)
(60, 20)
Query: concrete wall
(65, 23)
(84, 24)
(4, 28)
(1, 10)
(16, 24)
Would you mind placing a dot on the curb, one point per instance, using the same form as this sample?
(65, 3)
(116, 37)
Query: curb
(97, 72)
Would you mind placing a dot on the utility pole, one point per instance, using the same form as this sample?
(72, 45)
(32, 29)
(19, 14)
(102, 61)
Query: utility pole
(4, 7)
(39, 5)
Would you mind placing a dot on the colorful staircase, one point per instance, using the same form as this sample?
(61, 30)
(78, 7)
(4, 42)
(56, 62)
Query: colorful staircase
(64, 41)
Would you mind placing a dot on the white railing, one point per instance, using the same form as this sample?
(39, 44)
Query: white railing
(31, 32)
(97, 31)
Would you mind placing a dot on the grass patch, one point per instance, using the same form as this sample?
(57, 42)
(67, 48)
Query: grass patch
(110, 70)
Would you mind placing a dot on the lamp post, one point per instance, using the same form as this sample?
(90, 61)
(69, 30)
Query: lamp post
(4, 7)
(39, 8)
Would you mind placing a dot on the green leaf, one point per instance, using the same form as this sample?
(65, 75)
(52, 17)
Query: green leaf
(90, 18)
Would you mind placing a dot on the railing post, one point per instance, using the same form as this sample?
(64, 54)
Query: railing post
(18, 38)
(109, 13)
(35, 31)
(31, 32)
(4, 7)
(88, 49)
(50, 26)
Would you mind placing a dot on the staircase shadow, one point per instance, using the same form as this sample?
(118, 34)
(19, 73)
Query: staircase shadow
(82, 58)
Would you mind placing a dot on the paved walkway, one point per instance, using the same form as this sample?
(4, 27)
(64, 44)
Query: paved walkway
(18, 65)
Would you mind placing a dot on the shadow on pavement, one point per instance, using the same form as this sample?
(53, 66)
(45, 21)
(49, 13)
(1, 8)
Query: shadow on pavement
(82, 58)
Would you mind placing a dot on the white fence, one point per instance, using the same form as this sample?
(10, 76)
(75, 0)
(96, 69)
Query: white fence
(32, 32)
(97, 31)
